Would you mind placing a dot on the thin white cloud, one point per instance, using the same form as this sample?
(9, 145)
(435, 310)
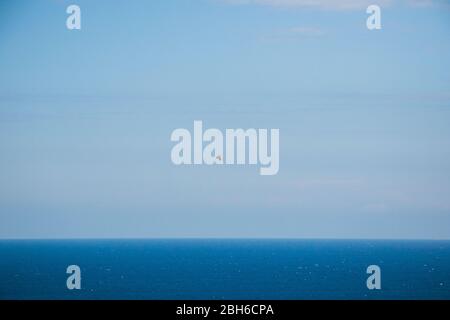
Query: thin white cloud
(421, 3)
(429, 3)
(339, 4)
(323, 4)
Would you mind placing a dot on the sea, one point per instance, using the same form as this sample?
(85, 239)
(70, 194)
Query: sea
(224, 269)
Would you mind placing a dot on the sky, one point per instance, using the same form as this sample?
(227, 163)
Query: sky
(86, 117)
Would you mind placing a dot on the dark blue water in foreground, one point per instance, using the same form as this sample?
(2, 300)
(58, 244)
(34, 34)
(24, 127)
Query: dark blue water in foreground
(224, 269)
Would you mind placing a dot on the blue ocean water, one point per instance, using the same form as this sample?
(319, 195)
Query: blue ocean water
(224, 269)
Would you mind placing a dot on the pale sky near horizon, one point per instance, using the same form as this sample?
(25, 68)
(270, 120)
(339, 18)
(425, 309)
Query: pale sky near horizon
(86, 118)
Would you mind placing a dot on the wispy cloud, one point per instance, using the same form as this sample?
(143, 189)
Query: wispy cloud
(339, 4)
(429, 3)
(323, 4)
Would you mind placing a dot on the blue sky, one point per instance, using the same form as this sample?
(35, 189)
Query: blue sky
(86, 118)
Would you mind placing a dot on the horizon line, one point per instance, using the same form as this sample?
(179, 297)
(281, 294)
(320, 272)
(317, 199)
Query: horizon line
(223, 238)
